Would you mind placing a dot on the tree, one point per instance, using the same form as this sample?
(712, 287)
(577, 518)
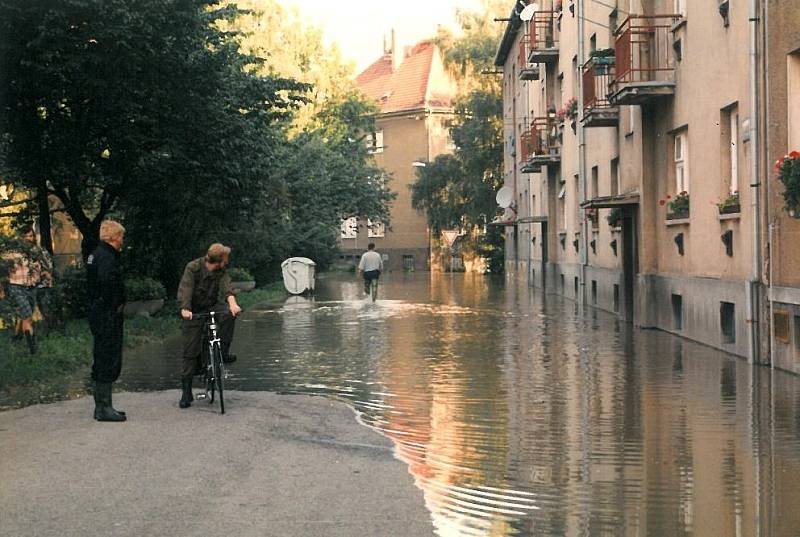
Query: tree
(458, 191)
(330, 176)
(109, 104)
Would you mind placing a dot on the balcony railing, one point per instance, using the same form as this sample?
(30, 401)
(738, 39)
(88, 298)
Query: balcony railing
(645, 68)
(526, 149)
(598, 111)
(543, 29)
(543, 146)
(527, 70)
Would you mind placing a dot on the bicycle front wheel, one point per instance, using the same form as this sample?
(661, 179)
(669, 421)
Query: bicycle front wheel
(218, 374)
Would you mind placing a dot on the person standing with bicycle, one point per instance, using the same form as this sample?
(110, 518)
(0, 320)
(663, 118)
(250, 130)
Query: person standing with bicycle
(370, 266)
(205, 286)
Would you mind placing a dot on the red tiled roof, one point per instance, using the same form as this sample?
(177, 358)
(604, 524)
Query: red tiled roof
(406, 88)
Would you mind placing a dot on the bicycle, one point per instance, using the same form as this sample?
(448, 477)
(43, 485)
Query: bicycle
(213, 365)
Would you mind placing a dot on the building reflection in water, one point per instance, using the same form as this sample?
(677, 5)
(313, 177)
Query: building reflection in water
(519, 414)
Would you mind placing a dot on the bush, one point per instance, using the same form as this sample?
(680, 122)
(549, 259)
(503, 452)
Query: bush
(69, 295)
(238, 274)
(143, 288)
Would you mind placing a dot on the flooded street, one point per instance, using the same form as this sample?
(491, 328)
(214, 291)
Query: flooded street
(523, 414)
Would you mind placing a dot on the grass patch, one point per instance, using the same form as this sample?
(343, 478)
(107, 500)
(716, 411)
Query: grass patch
(67, 351)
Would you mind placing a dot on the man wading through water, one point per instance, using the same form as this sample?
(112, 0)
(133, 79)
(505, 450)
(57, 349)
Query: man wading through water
(203, 288)
(371, 265)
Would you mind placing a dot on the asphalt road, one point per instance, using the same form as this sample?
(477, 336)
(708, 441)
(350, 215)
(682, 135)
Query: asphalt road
(273, 465)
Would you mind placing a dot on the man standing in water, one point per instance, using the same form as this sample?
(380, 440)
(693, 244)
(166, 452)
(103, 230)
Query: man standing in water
(371, 266)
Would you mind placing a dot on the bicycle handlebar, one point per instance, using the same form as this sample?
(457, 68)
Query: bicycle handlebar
(221, 313)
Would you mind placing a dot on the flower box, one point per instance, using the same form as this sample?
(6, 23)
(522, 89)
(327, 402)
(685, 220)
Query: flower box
(680, 215)
(730, 209)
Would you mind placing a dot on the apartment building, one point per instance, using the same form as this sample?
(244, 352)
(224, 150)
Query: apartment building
(782, 88)
(633, 146)
(414, 95)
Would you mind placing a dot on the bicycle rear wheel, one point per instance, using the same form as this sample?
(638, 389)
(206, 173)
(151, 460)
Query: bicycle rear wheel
(218, 374)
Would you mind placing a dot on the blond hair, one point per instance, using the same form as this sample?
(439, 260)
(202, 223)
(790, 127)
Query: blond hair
(217, 252)
(110, 229)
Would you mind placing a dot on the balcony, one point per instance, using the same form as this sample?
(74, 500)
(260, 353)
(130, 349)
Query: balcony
(540, 145)
(645, 69)
(527, 71)
(544, 35)
(598, 111)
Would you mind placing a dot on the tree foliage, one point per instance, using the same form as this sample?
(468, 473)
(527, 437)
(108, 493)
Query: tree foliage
(458, 191)
(157, 113)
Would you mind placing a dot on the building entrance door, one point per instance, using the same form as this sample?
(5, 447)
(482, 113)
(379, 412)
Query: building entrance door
(545, 238)
(630, 260)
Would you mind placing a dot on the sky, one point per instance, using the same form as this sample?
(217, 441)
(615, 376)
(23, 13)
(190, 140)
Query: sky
(359, 26)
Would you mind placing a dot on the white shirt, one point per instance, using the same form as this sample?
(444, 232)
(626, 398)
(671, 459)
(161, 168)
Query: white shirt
(371, 260)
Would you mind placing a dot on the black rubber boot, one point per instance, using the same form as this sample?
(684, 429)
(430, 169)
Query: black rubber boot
(111, 402)
(31, 342)
(102, 400)
(186, 396)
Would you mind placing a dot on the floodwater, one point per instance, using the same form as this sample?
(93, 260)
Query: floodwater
(523, 414)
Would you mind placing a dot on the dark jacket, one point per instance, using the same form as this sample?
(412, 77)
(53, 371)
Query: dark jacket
(104, 280)
(201, 290)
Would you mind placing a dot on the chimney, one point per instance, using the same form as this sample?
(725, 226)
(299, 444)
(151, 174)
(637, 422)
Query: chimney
(397, 58)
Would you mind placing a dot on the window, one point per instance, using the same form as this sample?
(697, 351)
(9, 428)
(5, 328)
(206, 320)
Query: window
(562, 206)
(681, 160)
(576, 286)
(677, 312)
(797, 335)
(727, 322)
(408, 262)
(374, 141)
(616, 298)
(350, 228)
(615, 176)
(595, 183)
(793, 96)
(613, 20)
(375, 229)
(780, 323)
(562, 284)
(729, 161)
(594, 292)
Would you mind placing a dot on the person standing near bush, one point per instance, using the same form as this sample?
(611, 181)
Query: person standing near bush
(32, 269)
(106, 295)
(204, 286)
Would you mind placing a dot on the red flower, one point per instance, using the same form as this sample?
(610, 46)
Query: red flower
(794, 154)
(669, 197)
(662, 202)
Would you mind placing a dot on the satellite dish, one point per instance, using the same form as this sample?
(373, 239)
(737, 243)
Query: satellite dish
(527, 13)
(504, 197)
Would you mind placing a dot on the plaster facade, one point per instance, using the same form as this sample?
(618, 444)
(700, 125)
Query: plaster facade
(663, 107)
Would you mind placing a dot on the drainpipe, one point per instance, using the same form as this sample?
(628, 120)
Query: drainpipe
(582, 152)
(754, 301)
